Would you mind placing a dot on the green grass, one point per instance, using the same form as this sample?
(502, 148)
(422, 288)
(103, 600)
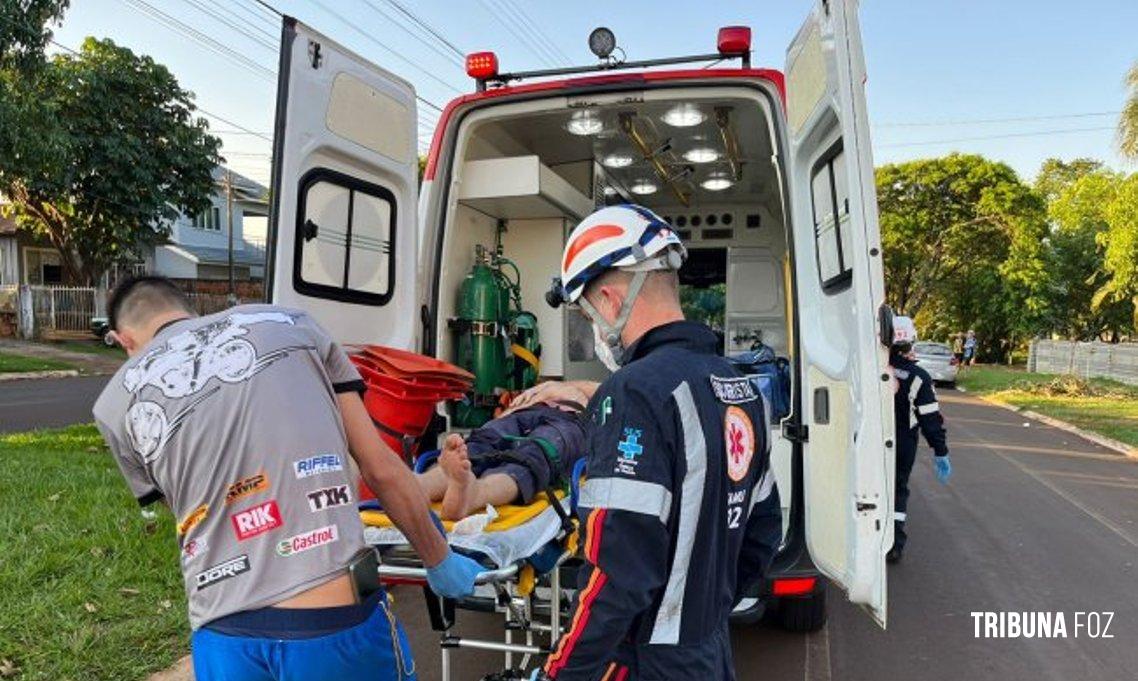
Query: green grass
(1099, 405)
(90, 591)
(13, 363)
(92, 347)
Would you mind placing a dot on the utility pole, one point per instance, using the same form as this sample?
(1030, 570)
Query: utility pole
(229, 226)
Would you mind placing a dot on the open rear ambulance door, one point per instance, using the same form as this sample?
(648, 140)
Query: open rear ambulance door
(342, 236)
(846, 389)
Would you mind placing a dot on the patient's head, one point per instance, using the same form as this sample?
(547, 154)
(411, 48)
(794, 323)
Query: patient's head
(140, 306)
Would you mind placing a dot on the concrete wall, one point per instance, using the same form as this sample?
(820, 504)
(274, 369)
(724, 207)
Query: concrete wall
(1117, 361)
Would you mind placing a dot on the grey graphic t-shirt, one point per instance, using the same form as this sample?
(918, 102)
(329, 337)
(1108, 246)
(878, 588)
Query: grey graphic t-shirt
(232, 419)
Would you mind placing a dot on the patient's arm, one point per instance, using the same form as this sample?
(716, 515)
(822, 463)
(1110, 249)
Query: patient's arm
(549, 391)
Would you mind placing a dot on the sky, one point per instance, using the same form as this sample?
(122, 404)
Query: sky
(1015, 80)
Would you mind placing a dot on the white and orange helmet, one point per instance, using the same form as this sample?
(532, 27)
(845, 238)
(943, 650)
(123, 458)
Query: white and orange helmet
(626, 237)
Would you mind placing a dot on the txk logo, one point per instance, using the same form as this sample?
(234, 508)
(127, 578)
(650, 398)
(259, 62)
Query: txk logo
(328, 497)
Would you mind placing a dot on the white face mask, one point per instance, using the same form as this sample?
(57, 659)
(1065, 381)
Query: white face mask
(603, 350)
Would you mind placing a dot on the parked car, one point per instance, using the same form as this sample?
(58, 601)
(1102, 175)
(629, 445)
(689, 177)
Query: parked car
(938, 360)
(101, 327)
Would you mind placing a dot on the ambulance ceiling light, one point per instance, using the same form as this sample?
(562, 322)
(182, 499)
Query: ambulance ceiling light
(609, 191)
(716, 182)
(684, 116)
(643, 187)
(584, 123)
(701, 155)
(617, 160)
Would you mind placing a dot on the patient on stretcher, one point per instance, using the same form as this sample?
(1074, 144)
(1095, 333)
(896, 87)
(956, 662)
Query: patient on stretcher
(544, 438)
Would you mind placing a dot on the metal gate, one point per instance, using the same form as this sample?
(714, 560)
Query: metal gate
(62, 310)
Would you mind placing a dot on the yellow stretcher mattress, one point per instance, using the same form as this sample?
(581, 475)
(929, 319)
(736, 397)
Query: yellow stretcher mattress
(518, 532)
(509, 515)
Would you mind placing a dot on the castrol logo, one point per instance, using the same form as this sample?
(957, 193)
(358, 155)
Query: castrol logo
(307, 540)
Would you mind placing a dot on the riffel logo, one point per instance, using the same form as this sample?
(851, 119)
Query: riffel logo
(315, 465)
(222, 571)
(192, 519)
(256, 520)
(308, 540)
(329, 497)
(246, 487)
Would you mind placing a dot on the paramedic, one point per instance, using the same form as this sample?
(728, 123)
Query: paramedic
(242, 422)
(914, 407)
(677, 508)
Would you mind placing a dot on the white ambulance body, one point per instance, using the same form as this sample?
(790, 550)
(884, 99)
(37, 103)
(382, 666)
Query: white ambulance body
(770, 186)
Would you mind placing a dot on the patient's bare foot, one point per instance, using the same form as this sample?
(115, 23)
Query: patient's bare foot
(460, 478)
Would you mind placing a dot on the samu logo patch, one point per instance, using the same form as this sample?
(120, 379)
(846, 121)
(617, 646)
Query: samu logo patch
(739, 436)
(630, 450)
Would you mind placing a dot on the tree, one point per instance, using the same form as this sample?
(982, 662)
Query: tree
(111, 156)
(1080, 194)
(24, 30)
(963, 247)
(1121, 249)
(1128, 122)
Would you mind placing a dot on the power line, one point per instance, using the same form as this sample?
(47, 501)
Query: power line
(538, 30)
(982, 121)
(426, 26)
(202, 39)
(257, 39)
(370, 38)
(269, 7)
(429, 45)
(994, 137)
(261, 27)
(530, 36)
(256, 14)
(494, 12)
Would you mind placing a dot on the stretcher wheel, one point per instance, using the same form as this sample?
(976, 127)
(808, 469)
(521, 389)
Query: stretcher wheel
(803, 614)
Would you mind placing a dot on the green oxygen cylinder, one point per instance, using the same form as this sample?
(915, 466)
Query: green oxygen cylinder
(526, 349)
(482, 309)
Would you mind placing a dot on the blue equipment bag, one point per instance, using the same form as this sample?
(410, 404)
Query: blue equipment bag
(771, 375)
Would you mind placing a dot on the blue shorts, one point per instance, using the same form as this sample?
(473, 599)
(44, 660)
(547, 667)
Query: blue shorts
(366, 650)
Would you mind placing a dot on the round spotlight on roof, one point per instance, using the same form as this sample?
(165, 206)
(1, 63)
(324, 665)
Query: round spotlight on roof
(684, 116)
(616, 160)
(701, 155)
(642, 187)
(716, 182)
(602, 42)
(584, 123)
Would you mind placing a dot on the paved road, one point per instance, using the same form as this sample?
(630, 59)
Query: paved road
(48, 403)
(1035, 519)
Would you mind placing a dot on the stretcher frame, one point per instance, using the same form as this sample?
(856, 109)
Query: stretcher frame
(522, 613)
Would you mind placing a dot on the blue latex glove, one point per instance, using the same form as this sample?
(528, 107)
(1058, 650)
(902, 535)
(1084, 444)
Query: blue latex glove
(454, 577)
(943, 468)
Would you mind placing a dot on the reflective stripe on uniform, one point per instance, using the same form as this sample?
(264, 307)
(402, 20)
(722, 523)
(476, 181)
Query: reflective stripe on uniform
(666, 629)
(899, 515)
(914, 387)
(762, 489)
(621, 494)
(929, 408)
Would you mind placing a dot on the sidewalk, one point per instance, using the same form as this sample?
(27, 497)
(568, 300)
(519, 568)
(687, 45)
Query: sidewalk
(93, 363)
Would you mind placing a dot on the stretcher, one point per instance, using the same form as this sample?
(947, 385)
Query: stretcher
(525, 550)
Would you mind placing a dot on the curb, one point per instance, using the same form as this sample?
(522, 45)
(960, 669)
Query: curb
(26, 375)
(1101, 440)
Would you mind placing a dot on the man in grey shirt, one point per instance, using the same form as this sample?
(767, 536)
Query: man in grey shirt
(243, 422)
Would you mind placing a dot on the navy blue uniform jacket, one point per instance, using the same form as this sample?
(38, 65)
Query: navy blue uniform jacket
(678, 510)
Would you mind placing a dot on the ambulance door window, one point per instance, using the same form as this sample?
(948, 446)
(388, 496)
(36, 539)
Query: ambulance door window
(344, 239)
(830, 195)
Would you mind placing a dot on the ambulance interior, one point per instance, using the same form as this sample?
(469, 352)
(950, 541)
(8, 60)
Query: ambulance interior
(701, 158)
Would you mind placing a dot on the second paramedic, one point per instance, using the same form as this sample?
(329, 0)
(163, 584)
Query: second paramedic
(679, 507)
(915, 407)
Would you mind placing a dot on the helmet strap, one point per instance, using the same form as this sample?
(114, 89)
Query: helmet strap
(612, 331)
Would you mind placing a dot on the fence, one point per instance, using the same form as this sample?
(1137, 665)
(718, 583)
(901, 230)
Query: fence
(1117, 361)
(66, 311)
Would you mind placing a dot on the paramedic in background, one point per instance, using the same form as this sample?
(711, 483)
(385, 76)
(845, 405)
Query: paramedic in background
(679, 507)
(915, 408)
(242, 422)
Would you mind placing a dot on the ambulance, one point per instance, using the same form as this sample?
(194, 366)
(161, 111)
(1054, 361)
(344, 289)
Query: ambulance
(766, 175)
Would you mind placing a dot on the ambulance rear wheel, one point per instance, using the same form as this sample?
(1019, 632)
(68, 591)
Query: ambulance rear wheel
(803, 614)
